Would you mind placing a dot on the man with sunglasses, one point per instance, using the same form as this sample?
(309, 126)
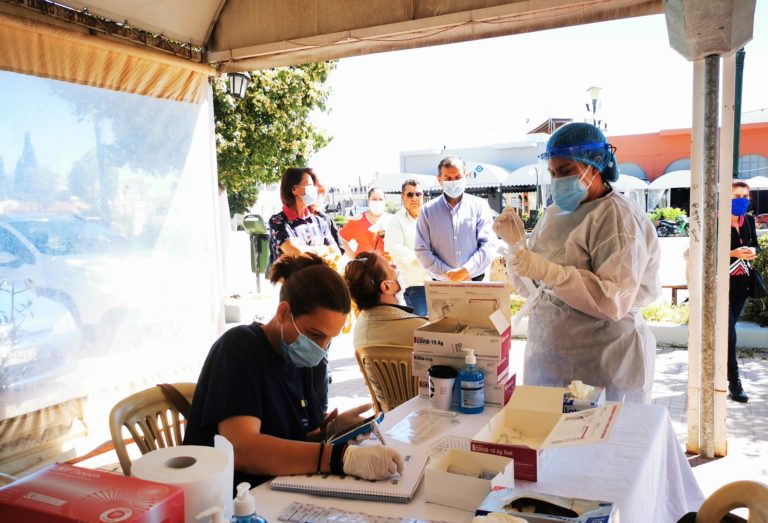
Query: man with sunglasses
(399, 243)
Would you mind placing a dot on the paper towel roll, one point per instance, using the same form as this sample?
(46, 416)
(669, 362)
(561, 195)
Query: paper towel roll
(205, 474)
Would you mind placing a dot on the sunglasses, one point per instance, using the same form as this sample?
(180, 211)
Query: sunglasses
(411, 194)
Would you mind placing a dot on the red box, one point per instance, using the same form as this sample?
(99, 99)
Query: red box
(66, 494)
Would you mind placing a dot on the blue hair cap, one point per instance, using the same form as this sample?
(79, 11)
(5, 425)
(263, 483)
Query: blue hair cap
(583, 143)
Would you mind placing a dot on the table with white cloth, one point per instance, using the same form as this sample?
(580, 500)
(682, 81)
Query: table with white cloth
(642, 468)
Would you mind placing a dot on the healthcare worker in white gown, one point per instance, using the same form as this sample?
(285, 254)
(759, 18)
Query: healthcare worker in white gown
(594, 260)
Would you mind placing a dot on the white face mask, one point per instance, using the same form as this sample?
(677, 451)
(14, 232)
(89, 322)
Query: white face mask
(376, 207)
(454, 188)
(310, 195)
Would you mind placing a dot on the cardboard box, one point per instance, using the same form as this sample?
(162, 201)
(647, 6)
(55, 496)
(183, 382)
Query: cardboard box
(596, 399)
(532, 422)
(496, 395)
(473, 315)
(66, 494)
(462, 479)
(493, 368)
(574, 510)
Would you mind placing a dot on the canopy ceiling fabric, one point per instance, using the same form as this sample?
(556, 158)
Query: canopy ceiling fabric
(254, 34)
(34, 48)
(672, 180)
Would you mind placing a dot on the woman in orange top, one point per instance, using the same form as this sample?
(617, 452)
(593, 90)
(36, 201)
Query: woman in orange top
(367, 229)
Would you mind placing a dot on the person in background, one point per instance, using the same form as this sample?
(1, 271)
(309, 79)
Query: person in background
(399, 242)
(454, 236)
(256, 387)
(594, 257)
(744, 249)
(366, 231)
(318, 209)
(295, 229)
(375, 287)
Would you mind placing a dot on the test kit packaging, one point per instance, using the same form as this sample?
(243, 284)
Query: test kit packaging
(494, 369)
(595, 399)
(473, 315)
(545, 508)
(496, 395)
(462, 479)
(532, 422)
(66, 494)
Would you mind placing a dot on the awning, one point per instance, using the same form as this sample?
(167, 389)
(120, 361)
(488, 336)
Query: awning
(628, 183)
(481, 175)
(757, 182)
(525, 175)
(672, 180)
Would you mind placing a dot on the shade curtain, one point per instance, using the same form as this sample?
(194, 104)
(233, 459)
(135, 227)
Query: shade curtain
(34, 48)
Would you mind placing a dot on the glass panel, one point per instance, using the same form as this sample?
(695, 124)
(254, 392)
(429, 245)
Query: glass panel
(108, 265)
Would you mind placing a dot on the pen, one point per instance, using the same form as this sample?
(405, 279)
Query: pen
(377, 432)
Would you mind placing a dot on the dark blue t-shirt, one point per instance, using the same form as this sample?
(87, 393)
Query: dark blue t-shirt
(244, 376)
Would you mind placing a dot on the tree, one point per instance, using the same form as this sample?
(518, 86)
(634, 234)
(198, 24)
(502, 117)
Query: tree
(3, 182)
(269, 130)
(26, 170)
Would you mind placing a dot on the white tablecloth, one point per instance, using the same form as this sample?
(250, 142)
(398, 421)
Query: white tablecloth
(642, 468)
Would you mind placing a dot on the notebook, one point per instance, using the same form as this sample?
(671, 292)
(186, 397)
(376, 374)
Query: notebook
(396, 489)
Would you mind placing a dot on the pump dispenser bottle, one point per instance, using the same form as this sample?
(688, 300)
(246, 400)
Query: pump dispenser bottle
(245, 506)
(471, 385)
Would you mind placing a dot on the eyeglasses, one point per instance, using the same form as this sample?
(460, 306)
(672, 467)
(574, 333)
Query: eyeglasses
(411, 194)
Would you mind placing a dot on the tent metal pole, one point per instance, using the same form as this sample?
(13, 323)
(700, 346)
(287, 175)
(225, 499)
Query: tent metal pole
(709, 246)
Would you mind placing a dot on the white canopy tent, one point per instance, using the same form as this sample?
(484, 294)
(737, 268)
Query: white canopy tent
(481, 175)
(525, 175)
(757, 182)
(633, 187)
(672, 180)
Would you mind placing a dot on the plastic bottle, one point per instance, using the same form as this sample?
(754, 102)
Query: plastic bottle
(471, 385)
(245, 506)
(216, 511)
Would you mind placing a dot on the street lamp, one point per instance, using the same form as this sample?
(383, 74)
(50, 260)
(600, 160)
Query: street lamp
(237, 83)
(594, 92)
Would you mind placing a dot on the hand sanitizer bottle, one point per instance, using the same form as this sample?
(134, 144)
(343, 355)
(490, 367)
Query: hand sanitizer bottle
(471, 385)
(245, 506)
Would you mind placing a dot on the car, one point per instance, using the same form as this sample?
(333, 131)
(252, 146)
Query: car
(39, 338)
(94, 272)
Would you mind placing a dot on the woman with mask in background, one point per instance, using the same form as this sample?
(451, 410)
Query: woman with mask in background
(295, 229)
(366, 231)
(593, 259)
(743, 250)
(377, 290)
(256, 387)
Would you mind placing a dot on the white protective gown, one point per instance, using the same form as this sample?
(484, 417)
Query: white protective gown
(590, 328)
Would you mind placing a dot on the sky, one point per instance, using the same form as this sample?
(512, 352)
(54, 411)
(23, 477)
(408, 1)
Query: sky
(495, 90)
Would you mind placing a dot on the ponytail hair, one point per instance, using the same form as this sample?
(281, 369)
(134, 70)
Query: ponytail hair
(364, 276)
(308, 283)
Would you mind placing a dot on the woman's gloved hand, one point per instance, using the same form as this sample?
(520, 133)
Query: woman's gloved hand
(372, 462)
(335, 422)
(536, 267)
(509, 227)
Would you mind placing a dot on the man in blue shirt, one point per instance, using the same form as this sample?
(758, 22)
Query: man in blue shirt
(454, 239)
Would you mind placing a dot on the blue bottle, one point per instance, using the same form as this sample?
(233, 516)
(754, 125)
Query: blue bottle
(471, 385)
(245, 506)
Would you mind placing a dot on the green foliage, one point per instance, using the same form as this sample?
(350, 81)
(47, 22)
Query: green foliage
(757, 310)
(391, 207)
(664, 312)
(269, 130)
(516, 303)
(340, 220)
(665, 213)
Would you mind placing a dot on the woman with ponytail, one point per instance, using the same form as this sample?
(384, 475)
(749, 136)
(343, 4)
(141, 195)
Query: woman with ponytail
(256, 387)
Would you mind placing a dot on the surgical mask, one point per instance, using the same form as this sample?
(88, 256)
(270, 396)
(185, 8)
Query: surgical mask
(376, 207)
(310, 194)
(400, 294)
(454, 188)
(739, 206)
(569, 191)
(303, 352)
